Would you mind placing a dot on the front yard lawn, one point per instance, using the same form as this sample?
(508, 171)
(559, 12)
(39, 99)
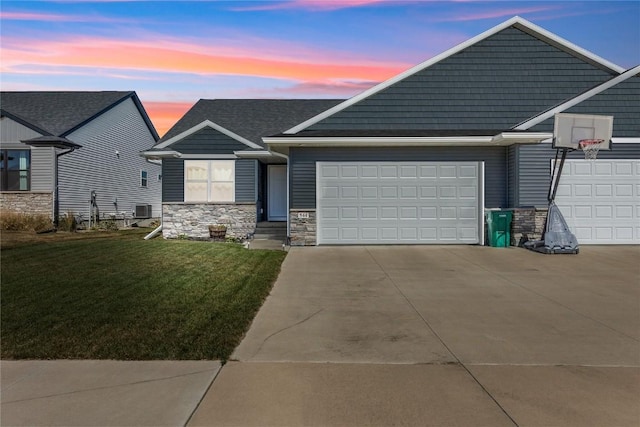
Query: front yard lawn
(121, 297)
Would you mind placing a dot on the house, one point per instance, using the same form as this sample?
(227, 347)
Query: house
(90, 143)
(216, 169)
(419, 158)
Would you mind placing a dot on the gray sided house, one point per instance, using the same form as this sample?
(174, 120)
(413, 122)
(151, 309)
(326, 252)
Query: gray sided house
(419, 158)
(88, 142)
(216, 169)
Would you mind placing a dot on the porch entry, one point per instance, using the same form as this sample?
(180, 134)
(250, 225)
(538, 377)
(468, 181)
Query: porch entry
(277, 193)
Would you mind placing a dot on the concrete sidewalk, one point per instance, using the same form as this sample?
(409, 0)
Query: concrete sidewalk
(102, 393)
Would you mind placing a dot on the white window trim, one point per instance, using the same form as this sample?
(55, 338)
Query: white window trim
(210, 181)
(146, 179)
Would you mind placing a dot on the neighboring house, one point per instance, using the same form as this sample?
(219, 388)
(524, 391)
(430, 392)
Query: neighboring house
(419, 158)
(216, 169)
(109, 129)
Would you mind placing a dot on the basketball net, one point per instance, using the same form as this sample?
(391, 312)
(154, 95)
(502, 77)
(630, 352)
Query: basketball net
(591, 148)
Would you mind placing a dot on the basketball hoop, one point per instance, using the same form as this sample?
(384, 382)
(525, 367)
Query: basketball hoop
(591, 147)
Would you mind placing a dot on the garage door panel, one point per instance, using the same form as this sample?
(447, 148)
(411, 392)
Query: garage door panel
(408, 171)
(398, 202)
(408, 192)
(624, 190)
(348, 172)
(599, 200)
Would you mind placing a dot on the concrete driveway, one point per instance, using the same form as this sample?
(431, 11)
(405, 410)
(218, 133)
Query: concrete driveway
(440, 335)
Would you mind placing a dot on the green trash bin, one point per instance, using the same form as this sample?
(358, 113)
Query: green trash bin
(499, 227)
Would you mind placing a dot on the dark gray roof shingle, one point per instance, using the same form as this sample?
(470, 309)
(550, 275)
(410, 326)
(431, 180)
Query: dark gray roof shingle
(58, 113)
(251, 118)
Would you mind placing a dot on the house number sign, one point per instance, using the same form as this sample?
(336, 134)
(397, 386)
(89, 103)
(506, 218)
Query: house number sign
(303, 215)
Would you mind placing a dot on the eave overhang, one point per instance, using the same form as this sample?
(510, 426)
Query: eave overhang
(52, 141)
(262, 155)
(159, 155)
(500, 139)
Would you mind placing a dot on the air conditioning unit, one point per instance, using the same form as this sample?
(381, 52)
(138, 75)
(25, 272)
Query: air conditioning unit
(143, 211)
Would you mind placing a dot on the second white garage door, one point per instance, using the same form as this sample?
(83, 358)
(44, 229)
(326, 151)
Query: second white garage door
(398, 202)
(600, 200)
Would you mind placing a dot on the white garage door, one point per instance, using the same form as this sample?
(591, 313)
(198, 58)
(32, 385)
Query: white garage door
(601, 200)
(398, 202)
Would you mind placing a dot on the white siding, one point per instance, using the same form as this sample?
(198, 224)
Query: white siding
(42, 159)
(114, 177)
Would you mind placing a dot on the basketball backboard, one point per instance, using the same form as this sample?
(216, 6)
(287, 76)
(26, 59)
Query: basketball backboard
(570, 129)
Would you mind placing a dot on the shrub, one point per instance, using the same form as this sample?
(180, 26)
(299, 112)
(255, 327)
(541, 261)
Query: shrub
(67, 222)
(15, 221)
(108, 225)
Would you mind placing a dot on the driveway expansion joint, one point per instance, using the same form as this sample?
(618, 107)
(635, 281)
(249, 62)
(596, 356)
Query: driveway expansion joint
(458, 361)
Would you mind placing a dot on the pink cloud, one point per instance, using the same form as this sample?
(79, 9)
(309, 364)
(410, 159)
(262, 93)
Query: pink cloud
(495, 14)
(53, 17)
(314, 5)
(160, 56)
(165, 114)
(333, 88)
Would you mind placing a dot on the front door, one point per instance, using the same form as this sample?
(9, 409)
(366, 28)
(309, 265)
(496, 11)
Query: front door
(277, 193)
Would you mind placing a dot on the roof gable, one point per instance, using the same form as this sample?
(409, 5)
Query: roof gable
(494, 80)
(209, 140)
(61, 113)
(250, 119)
(619, 97)
(200, 132)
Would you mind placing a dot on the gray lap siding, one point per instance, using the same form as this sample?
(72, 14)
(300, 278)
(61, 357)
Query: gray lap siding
(302, 191)
(531, 176)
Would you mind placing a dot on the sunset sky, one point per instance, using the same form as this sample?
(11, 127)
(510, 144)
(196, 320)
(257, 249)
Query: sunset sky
(174, 53)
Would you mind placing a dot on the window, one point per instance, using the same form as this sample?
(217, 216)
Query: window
(209, 181)
(15, 170)
(143, 179)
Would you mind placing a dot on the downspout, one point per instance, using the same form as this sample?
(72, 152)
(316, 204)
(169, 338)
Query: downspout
(153, 233)
(56, 201)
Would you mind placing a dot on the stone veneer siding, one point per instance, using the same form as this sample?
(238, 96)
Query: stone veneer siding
(527, 224)
(193, 219)
(28, 202)
(302, 230)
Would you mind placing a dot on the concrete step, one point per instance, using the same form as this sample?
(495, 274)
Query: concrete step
(271, 231)
(270, 235)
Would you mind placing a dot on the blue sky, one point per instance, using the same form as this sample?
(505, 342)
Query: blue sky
(173, 53)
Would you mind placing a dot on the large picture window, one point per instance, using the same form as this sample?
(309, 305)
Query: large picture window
(209, 181)
(15, 170)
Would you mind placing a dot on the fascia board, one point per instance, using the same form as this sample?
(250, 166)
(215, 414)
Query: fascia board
(578, 99)
(204, 124)
(207, 156)
(377, 141)
(508, 138)
(515, 20)
(158, 154)
(567, 45)
(504, 138)
(253, 154)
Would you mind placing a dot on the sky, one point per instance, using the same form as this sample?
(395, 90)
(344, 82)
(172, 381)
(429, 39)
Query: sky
(173, 53)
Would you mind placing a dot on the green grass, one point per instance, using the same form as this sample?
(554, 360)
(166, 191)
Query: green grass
(121, 297)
